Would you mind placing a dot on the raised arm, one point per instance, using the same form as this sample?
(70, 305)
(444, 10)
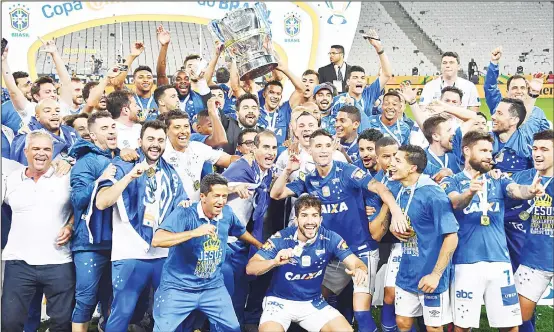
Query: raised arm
(97, 92)
(279, 189)
(164, 39)
(492, 93)
(386, 68)
(17, 97)
(136, 49)
(299, 87)
(66, 90)
(107, 196)
(218, 136)
(210, 69)
(461, 201)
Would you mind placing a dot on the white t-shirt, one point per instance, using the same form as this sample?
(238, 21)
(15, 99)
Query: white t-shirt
(127, 137)
(39, 211)
(189, 164)
(29, 111)
(432, 91)
(307, 164)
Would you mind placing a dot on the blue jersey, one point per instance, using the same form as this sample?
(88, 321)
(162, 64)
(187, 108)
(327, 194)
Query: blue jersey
(277, 121)
(374, 200)
(352, 149)
(148, 107)
(448, 160)
(515, 154)
(230, 102)
(400, 131)
(538, 246)
(196, 263)
(477, 242)
(430, 215)
(192, 104)
(341, 195)
(535, 122)
(328, 123)
(301, 279)
(457, 148)
(365, 104)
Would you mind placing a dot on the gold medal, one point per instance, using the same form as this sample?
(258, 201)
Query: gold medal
(524, 215)
(151, 172)
(485, 220)
(196, 185)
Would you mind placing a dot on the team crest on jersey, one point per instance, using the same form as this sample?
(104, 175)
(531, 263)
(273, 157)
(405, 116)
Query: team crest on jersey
(268, 245)
(444, 185)
(302, 176)
(358, 174)
(342, 245)
(320, 252)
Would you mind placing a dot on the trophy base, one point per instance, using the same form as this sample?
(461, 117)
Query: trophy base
(257, 67)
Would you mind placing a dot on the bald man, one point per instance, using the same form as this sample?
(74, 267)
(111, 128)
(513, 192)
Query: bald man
(48, 117)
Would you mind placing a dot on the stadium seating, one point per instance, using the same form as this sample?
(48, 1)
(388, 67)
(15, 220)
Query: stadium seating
(474, 29)
(105, 42)
(400, 49)
(523, 29)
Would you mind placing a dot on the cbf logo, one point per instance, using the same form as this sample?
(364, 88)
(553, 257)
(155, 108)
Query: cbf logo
(292, 27)
(19, 18)
(337, 8)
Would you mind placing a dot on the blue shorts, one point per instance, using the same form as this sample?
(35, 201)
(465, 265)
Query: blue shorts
(172, 306)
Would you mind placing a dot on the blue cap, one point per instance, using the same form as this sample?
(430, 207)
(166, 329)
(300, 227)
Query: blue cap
(323, 86)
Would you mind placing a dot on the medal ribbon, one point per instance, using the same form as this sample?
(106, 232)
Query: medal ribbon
(399, 141)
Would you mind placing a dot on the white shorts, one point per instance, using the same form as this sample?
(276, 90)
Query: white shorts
(532, 283)
(393, 264)
(304, 313)
(491, 282)
(435, 308)
(336, 279)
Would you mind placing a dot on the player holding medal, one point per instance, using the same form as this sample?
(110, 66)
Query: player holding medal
(537, 265)
(300, 255)
(481, 262)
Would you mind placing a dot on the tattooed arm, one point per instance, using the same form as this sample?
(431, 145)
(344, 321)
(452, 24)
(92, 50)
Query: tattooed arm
(517, 191)
(429, 283)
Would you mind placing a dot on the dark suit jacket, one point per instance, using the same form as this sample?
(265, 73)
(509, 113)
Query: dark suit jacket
(328, 74)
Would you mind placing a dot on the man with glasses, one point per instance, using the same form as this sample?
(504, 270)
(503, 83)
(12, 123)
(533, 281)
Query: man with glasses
(245, 143)
(337, 71)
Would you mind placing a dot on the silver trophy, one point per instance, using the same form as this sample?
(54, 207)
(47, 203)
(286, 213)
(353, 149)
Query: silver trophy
(246, 36)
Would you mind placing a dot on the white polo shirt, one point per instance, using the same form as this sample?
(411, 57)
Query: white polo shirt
(127, 137)
(432, 91)
(39, 211)
(189, 164)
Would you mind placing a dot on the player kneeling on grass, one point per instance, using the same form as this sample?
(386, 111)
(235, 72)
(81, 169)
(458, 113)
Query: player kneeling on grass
(301, 254)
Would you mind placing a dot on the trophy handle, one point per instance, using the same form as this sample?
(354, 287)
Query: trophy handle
(263, 13)
(214, 29)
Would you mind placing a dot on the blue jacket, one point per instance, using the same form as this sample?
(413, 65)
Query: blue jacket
(61, 145)
(91, 163)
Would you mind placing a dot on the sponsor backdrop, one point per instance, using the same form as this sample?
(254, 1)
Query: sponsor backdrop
(304, 31)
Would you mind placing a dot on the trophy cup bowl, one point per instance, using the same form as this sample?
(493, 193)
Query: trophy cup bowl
(246, 36)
